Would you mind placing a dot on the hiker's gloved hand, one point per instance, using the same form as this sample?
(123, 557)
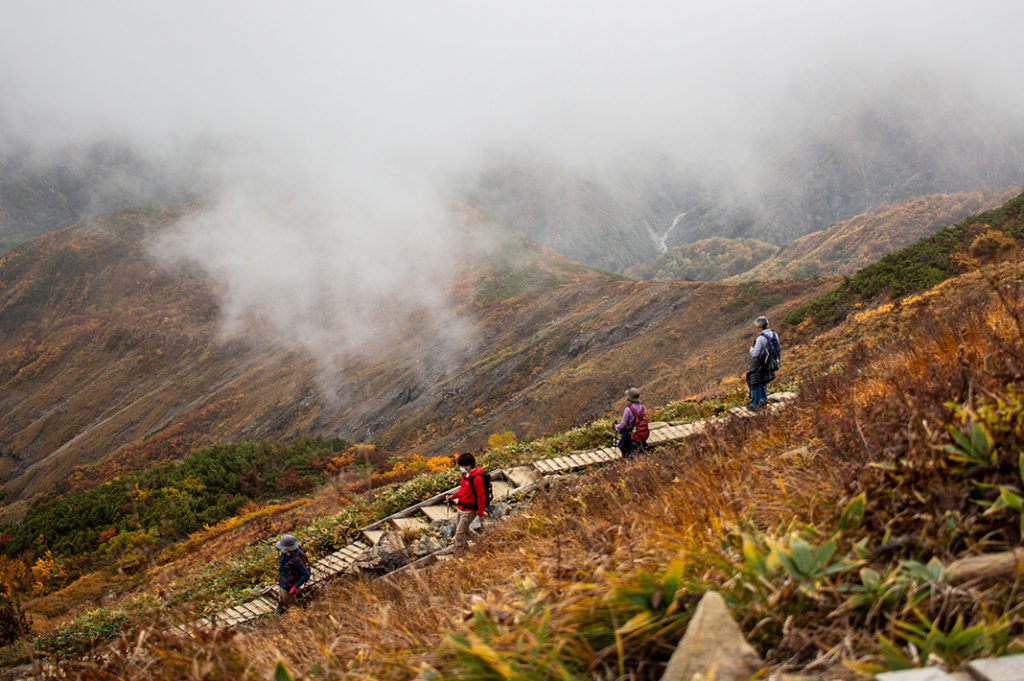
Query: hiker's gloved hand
(293, 590)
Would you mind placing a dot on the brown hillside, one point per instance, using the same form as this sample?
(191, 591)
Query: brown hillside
(109, 361)
(847, 246)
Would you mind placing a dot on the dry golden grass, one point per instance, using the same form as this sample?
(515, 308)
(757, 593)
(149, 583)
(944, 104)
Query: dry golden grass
(548, 590)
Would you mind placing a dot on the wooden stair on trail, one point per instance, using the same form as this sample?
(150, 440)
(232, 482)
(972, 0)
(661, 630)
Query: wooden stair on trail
(439, 512)
(504, 482)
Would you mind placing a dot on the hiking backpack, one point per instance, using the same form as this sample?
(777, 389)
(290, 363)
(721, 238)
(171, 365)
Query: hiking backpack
(641, 430)
(772, 351)
(485, 477)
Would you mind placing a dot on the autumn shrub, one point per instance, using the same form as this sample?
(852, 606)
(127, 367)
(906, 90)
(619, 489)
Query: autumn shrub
(152, 508)
(13, 623)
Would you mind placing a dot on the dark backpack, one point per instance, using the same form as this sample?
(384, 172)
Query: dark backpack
(773, 351)
(641, 430)
(485, 477)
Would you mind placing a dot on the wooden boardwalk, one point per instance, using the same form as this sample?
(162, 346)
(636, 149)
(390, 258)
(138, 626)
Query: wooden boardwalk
(506, 483)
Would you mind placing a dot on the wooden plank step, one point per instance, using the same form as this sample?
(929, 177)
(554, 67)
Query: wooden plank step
(264, 605)
(441, 512)
(673, 433)
(334, 562)
(411, 523)
(353, 550)
(678, 432)
(373, 536)
(543, 466)
(500, 488)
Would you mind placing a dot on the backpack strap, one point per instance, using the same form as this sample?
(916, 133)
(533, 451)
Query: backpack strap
(635, 414)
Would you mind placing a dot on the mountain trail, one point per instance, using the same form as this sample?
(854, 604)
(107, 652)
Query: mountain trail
(507, 484)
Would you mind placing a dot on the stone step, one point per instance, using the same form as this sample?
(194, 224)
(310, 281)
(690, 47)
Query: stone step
(1008, 668)
(923, 674)
(441, 512)
(522, 475)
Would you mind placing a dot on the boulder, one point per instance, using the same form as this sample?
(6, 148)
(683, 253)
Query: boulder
(713, 647)
(425, 545)
(388, 555)
(498, 510)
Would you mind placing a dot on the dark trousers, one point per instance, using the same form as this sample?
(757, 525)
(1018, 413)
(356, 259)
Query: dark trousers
(629, 448)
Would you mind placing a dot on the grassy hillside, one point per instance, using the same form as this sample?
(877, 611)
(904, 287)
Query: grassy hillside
(705, 260)
(989, 237)
(828, 528)
(847, 246)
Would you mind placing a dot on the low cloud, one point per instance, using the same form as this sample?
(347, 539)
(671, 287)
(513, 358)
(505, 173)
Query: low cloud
(327, 140)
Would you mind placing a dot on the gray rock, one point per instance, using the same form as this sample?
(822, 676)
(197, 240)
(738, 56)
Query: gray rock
(425, 545)
(498, 510)
(713, 646)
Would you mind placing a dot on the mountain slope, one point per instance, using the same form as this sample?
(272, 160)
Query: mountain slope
(111, 361)
(847, 246)
(827, 172)
(706, 260)
(981, 239)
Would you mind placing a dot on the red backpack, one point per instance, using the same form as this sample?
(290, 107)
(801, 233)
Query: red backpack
(641, 431)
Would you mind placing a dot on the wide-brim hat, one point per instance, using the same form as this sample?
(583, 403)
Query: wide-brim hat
(633, 395)
(287, 543)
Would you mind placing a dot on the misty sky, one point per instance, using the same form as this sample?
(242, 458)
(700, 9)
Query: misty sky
(436, 84)
(334, 131)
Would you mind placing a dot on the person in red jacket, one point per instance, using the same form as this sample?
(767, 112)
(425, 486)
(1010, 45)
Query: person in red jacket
(470, 499)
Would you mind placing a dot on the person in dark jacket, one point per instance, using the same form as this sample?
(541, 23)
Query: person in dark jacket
(292, 570)
(633, 412)
(470, 499)
(760, 373)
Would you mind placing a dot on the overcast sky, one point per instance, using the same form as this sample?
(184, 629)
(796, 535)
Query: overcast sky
(339, 125)
(433, 84)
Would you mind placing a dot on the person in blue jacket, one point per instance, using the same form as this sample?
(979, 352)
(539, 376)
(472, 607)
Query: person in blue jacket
(292, 570)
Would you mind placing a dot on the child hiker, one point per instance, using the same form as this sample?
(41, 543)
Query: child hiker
(292, 570)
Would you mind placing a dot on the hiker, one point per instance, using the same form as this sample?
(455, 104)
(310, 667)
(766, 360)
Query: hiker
(292, 570)
(762, 367)
(633, 426)
(470, 499)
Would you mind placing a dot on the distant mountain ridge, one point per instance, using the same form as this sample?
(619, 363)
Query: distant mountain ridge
(852, 165)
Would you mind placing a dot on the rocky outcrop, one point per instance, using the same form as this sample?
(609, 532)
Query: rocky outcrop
(713, 647)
